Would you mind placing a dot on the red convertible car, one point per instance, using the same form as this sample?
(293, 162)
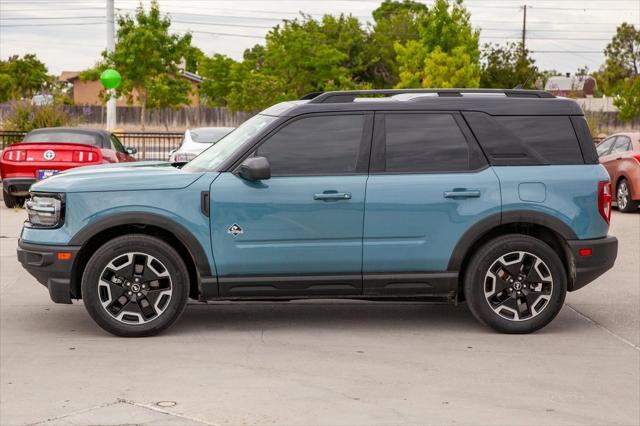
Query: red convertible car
(45, 152)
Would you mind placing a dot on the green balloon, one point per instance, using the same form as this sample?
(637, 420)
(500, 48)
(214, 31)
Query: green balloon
(110, 78)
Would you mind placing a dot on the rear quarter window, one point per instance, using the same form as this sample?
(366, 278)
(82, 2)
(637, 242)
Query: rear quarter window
(551, 137)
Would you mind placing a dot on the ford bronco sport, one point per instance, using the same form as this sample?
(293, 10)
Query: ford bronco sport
(494, 197)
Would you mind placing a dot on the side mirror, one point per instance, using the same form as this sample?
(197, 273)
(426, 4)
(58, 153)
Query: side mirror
(255, 168)
(131, 150)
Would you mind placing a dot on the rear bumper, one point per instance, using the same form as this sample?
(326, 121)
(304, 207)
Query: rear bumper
(41, 261)
(587, 268)
(18, 187)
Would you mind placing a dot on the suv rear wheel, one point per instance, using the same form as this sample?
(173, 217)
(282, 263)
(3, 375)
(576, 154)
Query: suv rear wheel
(623, 197)
(515, 284)
(11, 201)
(135, 285)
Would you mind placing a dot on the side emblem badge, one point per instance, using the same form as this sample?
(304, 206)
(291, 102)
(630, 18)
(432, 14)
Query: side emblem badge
(235, 230)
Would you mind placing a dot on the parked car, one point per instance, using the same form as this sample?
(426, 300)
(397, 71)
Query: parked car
(48, 151)
(620, 155)
(197, 140)
(493, 197)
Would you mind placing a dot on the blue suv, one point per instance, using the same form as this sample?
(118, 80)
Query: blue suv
(493, 197)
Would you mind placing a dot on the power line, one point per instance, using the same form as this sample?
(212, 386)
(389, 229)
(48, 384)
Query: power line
(51, 17)
(70, 24)
(566, 51)
(222, 25)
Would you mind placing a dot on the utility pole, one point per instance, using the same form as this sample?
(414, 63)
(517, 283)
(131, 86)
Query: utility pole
(524, 29)
(111, 44)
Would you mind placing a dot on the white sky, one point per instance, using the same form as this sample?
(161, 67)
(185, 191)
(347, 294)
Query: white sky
(70, 34)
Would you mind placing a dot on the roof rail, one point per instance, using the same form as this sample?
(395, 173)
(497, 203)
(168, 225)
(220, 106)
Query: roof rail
(350, 95)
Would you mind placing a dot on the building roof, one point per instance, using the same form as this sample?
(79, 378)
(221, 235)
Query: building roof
(68, 75)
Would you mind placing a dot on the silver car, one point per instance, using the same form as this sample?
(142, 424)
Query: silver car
(197, 140)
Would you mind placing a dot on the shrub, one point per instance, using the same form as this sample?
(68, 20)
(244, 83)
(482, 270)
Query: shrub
(23, 116)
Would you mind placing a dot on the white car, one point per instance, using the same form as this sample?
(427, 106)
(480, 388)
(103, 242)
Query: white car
(197, 140)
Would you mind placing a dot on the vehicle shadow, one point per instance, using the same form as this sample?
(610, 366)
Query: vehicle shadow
(353, 316)
(298, 317)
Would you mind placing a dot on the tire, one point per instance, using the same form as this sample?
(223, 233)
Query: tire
(11, 201)
(623, 197)
(135, 285)
(521, 305)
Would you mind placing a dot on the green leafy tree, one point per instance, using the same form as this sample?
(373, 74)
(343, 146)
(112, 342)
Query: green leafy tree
(7, 86)
(448, 45)
(619, 75)
(148, 57)
(22, 77)
(300, 56)
(450, 70)
(507, 66)
(219, 72)
(628, 99)
(395, 22)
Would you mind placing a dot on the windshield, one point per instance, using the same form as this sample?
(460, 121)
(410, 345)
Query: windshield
(217, 154)
(209, 135)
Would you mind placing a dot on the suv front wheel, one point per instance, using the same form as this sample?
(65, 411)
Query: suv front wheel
(135, 285)
(515, 284)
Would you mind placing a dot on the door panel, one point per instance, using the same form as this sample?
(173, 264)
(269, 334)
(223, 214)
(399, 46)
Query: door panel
(282, 229)
(413, 222)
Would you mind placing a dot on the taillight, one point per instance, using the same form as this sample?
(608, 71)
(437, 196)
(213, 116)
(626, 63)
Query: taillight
(637, 157)
(15, 155)
(604, 200)
(85, 156)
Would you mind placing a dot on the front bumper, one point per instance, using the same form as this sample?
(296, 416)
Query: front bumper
(18, 187)
(587, 268)
(42, 262)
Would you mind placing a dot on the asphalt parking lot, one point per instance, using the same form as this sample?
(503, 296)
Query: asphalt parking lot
(322, 362)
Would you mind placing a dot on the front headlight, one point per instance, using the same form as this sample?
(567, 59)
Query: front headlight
(45, 210)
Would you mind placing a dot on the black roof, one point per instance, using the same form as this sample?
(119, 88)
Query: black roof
(490, 101)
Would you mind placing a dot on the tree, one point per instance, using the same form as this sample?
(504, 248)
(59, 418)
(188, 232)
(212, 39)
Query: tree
(507, 66)
(300, 56)
(448, 46)
(620, 75)
(22, 77)
(148, 56)
(218, 75)
(394, 22)
(628, 98)
(449, 70)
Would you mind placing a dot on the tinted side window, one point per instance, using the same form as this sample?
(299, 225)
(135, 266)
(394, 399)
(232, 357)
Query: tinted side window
(424, 143)
(604, 146)
(553, 138)
(315, 146)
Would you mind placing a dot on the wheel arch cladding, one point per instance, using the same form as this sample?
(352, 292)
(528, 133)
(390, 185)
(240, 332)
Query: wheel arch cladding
(546, 228)
(95, 234)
